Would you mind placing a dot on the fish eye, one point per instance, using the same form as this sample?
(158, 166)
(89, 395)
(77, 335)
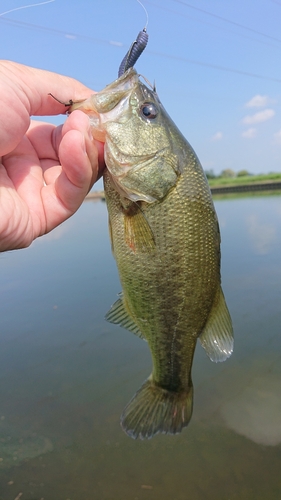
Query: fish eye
(149, 110)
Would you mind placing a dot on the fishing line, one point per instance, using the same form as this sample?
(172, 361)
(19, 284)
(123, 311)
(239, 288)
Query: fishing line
(145, 12)
(27, 6)
(220, 27)
(136, 48)
(89, 39)
(224, 19)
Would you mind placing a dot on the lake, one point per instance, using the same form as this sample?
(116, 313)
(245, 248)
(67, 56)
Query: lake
(66, 373)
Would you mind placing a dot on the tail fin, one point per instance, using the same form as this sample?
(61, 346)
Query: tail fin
(153, 410)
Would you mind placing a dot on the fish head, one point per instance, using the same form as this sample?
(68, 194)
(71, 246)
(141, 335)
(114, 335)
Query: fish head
(141, 152)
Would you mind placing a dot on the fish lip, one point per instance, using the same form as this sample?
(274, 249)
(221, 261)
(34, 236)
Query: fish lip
(106, 106)
(99, 105)
(130, 74)
(121, 88)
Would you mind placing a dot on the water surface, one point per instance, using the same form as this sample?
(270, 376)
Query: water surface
(66, 373)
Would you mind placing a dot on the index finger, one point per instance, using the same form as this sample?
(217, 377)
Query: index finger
(37, 84)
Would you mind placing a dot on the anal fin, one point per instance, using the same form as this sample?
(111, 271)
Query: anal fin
(118, 315)
(217, 336)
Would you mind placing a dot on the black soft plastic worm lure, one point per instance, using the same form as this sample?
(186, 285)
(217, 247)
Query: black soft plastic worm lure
(134, 52)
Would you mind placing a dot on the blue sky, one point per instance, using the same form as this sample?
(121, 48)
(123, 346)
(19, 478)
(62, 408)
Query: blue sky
(216, 63)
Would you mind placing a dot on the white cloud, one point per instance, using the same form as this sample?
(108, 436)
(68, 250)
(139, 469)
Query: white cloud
(277, 137)
(250, 133)
(258, 101)
(217, 136)
(118, 44)
(261, 116)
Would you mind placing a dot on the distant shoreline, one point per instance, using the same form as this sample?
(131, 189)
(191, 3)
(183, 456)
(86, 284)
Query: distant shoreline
(95, 195)
(242, 183)
(247, 187)
(220, 189)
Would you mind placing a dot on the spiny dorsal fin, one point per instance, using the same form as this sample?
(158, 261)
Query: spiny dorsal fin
(118, 315)
(217, 336)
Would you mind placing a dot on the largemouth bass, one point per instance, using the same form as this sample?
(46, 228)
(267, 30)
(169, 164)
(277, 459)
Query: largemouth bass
(166, 242)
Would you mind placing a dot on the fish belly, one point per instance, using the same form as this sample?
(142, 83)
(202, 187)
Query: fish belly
(168, 292)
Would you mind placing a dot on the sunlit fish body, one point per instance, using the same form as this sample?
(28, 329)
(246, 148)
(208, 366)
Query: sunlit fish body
(166, 242)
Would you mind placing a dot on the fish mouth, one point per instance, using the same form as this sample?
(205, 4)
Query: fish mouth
(110, 103)
(110, 96)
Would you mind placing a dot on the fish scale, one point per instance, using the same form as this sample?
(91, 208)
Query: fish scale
(166, 242)
(180, 269)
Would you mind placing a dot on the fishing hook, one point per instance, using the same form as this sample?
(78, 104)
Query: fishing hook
(66, 104)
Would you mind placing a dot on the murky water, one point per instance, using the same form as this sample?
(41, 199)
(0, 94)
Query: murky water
(66, 374)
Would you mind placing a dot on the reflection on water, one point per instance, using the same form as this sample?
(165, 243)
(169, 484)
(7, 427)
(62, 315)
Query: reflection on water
(262, 234)
(66, 374)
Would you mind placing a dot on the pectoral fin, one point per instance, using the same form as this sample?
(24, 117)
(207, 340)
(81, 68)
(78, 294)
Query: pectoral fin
(138, 233)
(118, 315)
(217, 336)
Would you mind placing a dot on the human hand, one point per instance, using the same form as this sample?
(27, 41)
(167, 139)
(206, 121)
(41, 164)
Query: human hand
(45, 171)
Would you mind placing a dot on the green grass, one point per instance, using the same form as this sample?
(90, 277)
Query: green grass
(247, 179)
